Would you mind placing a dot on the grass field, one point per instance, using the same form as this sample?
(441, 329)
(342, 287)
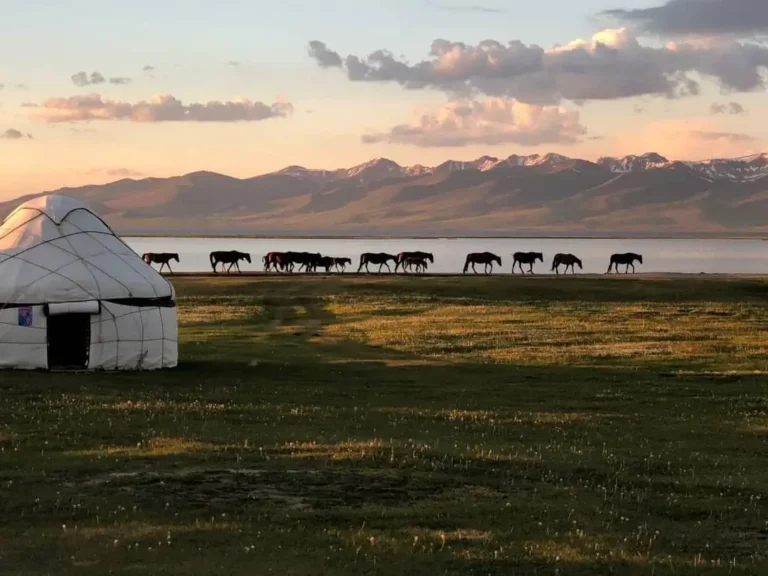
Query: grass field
(407, 426)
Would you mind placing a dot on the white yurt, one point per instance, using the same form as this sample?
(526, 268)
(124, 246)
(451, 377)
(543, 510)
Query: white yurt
(74, 296)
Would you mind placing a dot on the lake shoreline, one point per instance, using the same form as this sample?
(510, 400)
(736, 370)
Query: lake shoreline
(438, 237)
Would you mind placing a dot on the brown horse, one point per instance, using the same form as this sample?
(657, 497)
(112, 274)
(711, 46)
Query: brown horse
(231, 257)
(567, 260)
(627, 259)
(162, 258)
(403, 256)
(520, 258)
(487, 258)
(380, 258)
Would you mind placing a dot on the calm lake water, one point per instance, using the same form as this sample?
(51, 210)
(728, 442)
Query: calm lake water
(683, 255)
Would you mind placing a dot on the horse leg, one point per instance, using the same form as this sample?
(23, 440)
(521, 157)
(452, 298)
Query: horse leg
(473, 268)
(531, 269)
(513, 266)
(633, 267)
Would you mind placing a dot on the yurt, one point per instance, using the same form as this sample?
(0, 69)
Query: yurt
(74, 296)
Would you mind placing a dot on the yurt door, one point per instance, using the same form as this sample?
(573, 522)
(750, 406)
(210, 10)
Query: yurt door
(69, 334)
(69, 341)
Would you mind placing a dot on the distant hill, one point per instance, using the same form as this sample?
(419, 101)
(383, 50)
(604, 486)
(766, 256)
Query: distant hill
(544, 194)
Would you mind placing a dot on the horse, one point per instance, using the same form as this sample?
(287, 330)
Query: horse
(326, 262)
(529, 258)
(231, 257)
(628, 259)
(403, 256)
(419, 263)
(487, 258)
(272, 260)
(162, 258)
(308, 262)
(380, 258)
(567, 260)
(341, 263)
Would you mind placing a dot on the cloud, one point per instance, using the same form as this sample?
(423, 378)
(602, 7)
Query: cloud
(476, 8)
(729, 108)
(82, 79)
(118, 81)
(690, 139)
(611, 65)
(115, 173)
(28, 105)
(13, 134)
(160, 108)
(325, 58)
(698, 17)
(730, 137)
(148, 68)
(487, 122)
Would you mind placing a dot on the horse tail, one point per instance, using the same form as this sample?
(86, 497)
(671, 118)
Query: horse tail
(466, 265)
(554, 261)
(213, 261)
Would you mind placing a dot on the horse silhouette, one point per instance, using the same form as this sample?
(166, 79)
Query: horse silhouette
(486, 258)
(627, 259)
(162, 258)
(567, 260)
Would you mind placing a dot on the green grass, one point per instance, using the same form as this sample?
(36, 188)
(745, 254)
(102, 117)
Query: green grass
(407, 426)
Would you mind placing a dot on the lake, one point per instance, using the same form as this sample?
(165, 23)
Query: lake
(659, 255)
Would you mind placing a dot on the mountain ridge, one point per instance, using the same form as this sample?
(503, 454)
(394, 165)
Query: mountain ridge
(549, 192)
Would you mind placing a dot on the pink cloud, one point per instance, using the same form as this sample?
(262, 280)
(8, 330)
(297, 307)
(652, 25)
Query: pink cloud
(489, 122)
(160, 108)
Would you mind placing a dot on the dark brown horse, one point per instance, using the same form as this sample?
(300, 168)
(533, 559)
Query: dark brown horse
(520, 258)
(341, 264)
(627, 259)
(403, 256)
(231, 257)
(272, 261)
(380, 258)
(162, 258)
(567, 260)
(487, 258)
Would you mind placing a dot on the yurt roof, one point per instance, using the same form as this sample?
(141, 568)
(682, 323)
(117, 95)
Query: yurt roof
(55, 249)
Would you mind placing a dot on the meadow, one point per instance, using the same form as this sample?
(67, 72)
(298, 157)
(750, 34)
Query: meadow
(383, 425)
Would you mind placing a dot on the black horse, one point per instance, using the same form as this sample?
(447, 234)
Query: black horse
(380, 258)
(231, 257)
(403, 256)
(567, 260)
(487, 258)
(627, 259)
(520, 258)
(162, 258)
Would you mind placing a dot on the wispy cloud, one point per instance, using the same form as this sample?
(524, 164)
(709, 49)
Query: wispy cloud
(115, 173)
(84, 79)
(729, 108)
(13, 134)
(117, 81)
(160, 108)
(476, 8)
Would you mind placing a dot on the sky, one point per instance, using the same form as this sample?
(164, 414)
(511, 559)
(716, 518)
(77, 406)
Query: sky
(95, 91)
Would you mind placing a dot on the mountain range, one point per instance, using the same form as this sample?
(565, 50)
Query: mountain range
(536, 194)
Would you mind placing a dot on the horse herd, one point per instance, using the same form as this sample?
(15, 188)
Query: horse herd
(406, 261)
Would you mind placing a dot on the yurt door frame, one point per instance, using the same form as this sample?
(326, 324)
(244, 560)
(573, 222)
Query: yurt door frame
(69, 334)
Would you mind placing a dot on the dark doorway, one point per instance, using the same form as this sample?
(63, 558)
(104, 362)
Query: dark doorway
(69, 341)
